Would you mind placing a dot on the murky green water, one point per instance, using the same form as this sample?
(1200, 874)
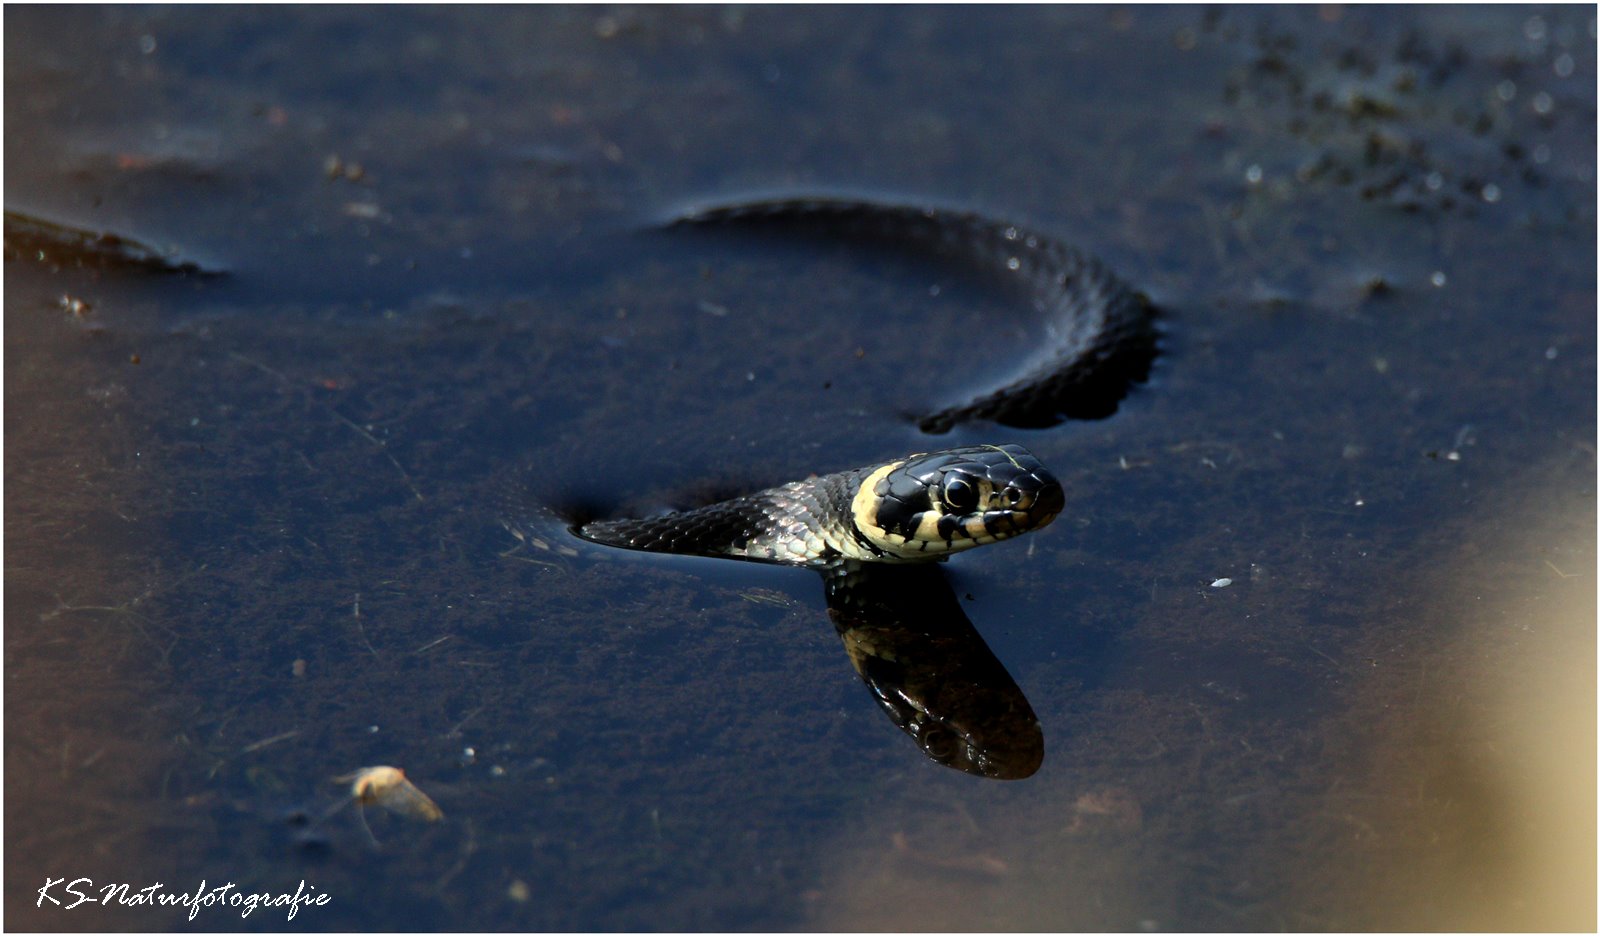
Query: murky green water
(251, 541)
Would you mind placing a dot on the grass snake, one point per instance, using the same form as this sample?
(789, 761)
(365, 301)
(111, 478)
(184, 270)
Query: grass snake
(874, 532)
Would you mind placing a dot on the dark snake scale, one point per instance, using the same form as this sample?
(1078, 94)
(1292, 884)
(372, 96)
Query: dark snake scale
(872, 531)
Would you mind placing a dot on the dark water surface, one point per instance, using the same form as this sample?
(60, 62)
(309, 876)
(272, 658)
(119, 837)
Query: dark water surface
(250, 525)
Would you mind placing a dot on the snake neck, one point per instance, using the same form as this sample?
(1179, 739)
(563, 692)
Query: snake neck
(807, 523)
(920, 508)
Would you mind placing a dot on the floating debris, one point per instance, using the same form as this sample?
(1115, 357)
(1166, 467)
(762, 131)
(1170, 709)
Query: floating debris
(1110, 809)
(333, 167)
(268, 742)
(767, 596)
(389, 788)
(1222, 583)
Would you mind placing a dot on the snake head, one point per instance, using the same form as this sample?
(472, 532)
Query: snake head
(931, 505)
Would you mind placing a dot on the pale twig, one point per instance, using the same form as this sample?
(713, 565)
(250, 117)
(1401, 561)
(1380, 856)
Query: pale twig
(360, 430)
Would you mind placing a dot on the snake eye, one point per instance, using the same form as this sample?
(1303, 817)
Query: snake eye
(1013, 497)
(960, 495)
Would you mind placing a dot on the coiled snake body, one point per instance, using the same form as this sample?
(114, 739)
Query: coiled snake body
(1101, 332)
(904, 631)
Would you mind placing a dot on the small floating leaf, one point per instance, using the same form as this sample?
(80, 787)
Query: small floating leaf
(389, 788)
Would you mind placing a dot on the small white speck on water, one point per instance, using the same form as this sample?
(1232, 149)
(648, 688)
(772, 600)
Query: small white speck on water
(1253, 175)
(1013, 264)
(1543, 103)
(1506, 90)
(1222, 583)
(1550, 353)
(1491, 193)
(1438, 278)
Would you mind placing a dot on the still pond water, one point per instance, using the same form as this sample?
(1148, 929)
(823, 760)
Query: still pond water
(1312, 646)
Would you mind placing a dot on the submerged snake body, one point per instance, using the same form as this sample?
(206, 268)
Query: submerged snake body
(929, 671)
(912, 509)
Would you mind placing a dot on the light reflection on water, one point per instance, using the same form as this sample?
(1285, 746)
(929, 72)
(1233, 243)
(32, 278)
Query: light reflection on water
(1459, 794)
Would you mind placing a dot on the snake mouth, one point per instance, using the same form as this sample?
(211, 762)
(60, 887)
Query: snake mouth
(1000, 524)
(1031, 510)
